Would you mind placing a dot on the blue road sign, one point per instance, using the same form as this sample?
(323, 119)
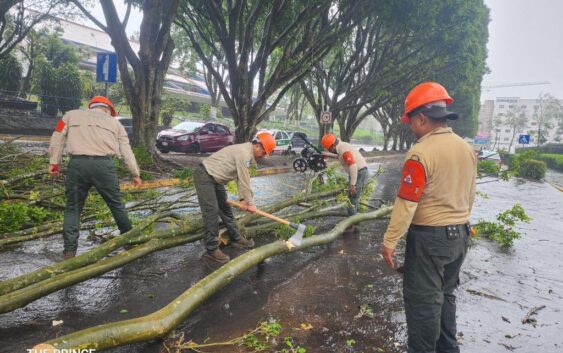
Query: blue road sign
(524, 139)
(106, 67)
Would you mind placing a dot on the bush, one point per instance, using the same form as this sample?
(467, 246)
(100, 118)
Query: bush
(10, 75)
(69, 87)
(532, 169)
(487, 167)
(554, 161)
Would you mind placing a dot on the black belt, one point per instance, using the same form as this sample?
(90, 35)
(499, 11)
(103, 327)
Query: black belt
(433, 228)
(364, 168)
(83, 156)
(449, 230)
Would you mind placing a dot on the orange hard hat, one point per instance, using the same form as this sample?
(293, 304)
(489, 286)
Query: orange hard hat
(328, 140)
(422, 94)
(97, 101)
(267, 141)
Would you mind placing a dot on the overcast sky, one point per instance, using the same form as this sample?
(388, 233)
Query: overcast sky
(525, 45)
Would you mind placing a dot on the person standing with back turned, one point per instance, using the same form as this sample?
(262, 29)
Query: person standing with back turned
(433, 207)
(92, 137)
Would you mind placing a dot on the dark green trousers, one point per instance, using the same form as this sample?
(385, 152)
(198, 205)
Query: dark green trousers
(360, 184)
(82, 173)
(212, 198)
(433, 259)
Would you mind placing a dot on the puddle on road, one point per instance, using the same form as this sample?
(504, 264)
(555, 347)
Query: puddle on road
(325, 286)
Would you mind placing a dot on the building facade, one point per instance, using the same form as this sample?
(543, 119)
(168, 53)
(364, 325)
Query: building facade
(496, 132)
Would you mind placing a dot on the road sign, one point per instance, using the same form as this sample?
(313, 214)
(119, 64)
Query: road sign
(326, 117)
(106, 67)
(524, 139)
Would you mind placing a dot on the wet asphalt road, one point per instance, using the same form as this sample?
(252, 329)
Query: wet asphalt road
(323, 287)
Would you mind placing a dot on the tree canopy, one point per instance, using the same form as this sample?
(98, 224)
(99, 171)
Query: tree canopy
(267, 46)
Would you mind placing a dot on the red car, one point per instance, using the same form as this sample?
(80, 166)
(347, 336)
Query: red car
(192, 137)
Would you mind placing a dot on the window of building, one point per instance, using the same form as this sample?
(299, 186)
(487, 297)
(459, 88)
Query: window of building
(511, 106)
(506, 139)
(497, 130)
(507, 130)
(536, 108)
(534, 123)
(524, 106)
(501, 106)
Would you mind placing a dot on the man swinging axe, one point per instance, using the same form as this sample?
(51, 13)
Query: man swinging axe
(211, 175)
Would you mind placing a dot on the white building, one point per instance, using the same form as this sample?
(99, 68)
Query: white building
(495, 133)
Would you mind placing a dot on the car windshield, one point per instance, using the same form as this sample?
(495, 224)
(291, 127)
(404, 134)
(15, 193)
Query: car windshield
(188, 126)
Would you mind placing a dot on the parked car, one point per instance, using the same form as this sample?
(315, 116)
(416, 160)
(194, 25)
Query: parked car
(127, 123)
(283, 141)
(494, 156)
(297, 141)
(194, 137)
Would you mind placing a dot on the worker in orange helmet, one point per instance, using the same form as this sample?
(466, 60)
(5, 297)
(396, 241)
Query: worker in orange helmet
(353, 163)
(211, 175)
(433, 207)
(92, 138)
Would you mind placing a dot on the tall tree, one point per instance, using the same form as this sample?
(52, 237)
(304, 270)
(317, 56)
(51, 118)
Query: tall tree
(517, 120)
(267, 47)
(388, 117)
(354, 80)
(18, 17)
(48, 44)
(550, 109)
(143, 84)
(399, 45)
(466, 47)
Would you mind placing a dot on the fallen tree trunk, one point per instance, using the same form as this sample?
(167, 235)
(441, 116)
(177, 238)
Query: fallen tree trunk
(155, 241)
(24, 296)
(163, 321)
(81, 260)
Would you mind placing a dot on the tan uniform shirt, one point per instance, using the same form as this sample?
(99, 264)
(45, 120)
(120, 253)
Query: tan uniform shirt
(351, 164)
(450, 167)
(92, 133)
(233, 163)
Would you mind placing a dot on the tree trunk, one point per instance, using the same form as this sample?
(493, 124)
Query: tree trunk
(163, 321)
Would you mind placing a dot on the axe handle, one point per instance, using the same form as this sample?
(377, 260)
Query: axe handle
(260, 212)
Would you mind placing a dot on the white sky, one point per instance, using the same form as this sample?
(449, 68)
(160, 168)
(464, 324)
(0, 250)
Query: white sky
(525, 45)
(135, 18)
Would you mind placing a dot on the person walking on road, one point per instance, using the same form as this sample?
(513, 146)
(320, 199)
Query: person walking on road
(211, 175)
(353, 163)
(93, 138)
(433, 207)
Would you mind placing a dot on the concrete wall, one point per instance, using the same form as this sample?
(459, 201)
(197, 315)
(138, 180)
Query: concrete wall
(25, 122)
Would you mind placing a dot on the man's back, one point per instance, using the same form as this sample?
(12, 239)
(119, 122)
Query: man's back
(450, 167)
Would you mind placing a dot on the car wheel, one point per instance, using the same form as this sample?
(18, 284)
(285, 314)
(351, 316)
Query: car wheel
(164, 151)
(194, 148)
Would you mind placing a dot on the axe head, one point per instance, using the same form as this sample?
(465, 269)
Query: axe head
(297, 238)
